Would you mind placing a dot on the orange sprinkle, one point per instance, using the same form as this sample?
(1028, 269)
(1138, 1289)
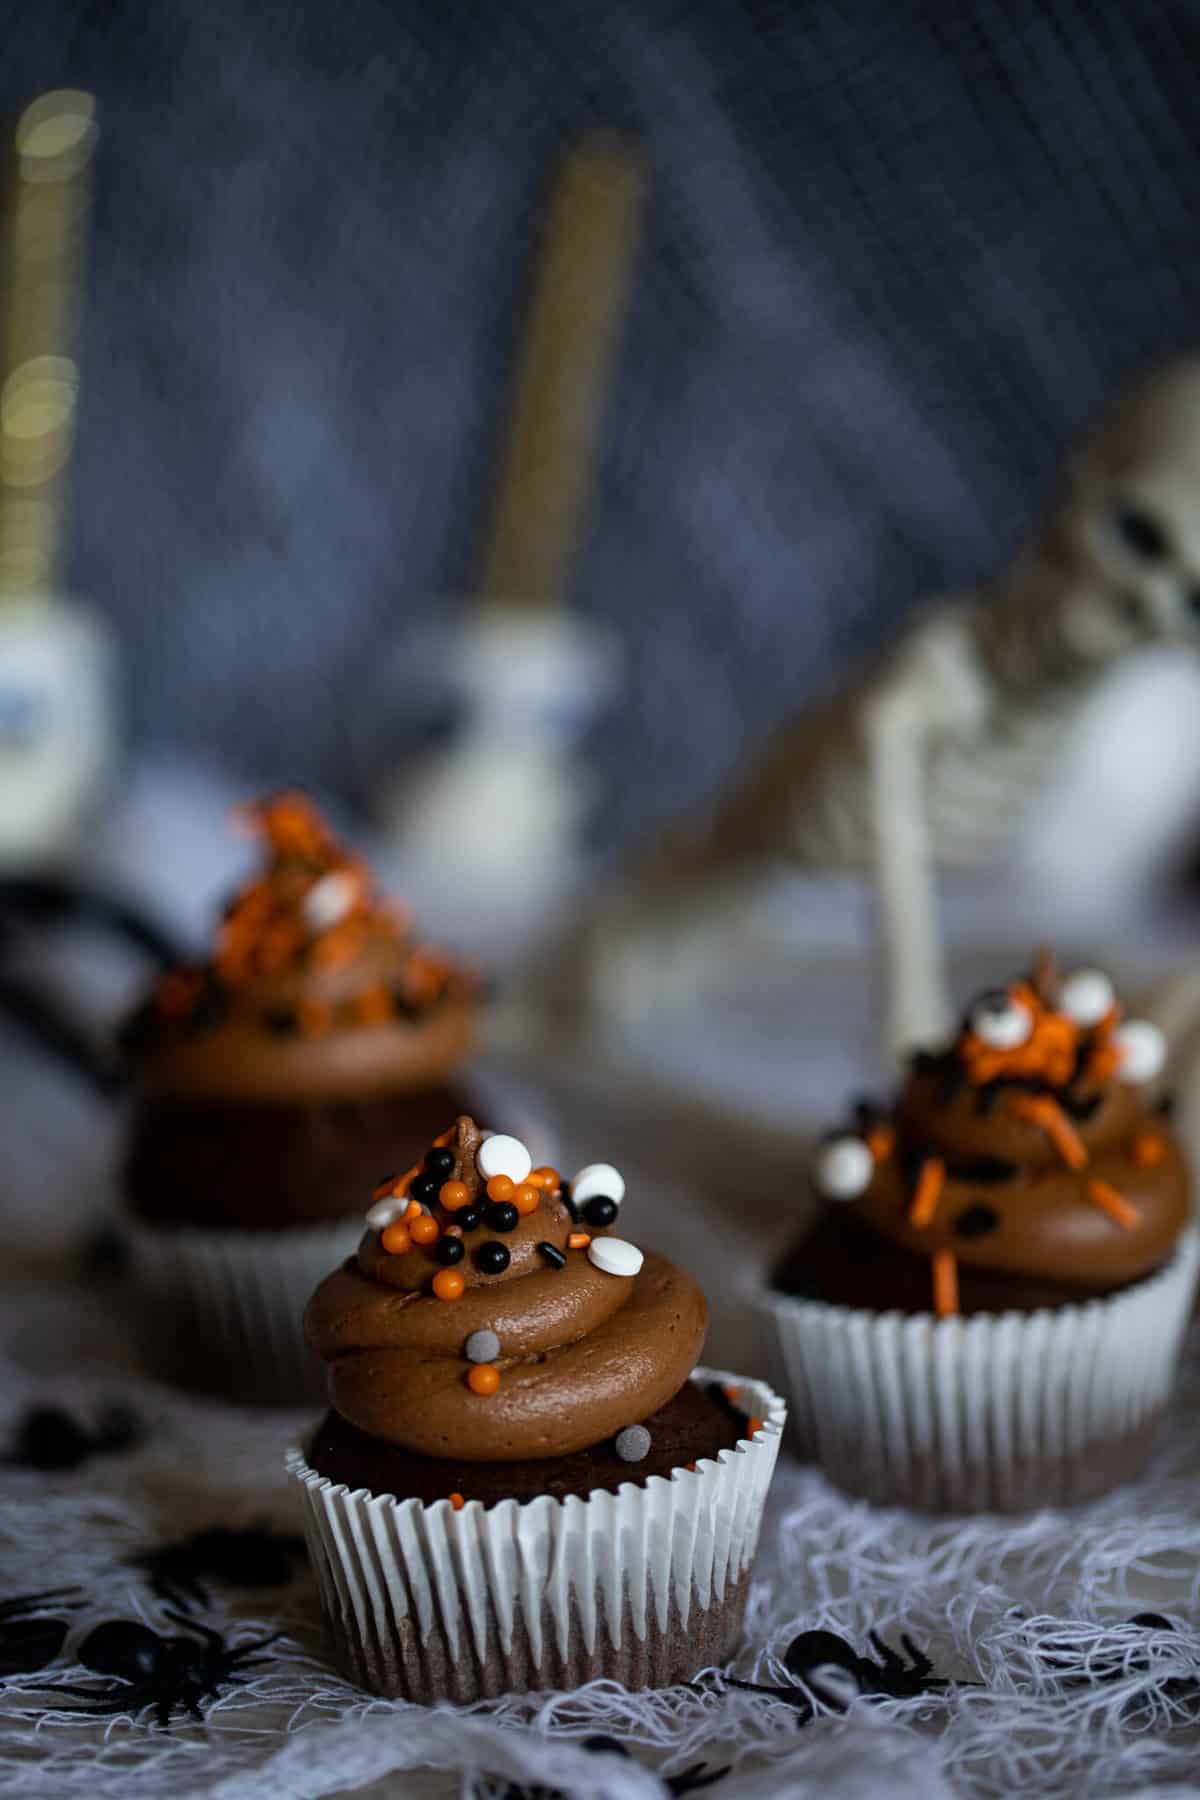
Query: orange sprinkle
(731, 1393)
(372, 1005)
(454, 1195)
(412, 1211)
(444, 1139)
(396, 1239)
(945, 1283)
(753, 1426)
(456, 1501)
(315, 1017)
(425, 1230)
(484, 1378)
(388, 1188)
(930, 1183)
(881, 1141)
(1148, 1151)
(579, 1240)
(448, 1284)
(1045, 1112)
(526, 1198)
(1107, 1198)
(546, 1178)
(403, 1181)
(691, 1468)
(500, 1187)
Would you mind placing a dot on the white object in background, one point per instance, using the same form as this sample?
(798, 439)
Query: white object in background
(57, 733)
(935, 754)
(486, 833)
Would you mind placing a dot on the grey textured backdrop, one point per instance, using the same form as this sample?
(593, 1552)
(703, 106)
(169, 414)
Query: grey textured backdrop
(899, 251)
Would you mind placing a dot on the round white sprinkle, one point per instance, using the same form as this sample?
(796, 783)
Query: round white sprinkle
(1143, 1050)
(1001, 1022)
(482, 1346)
(632, 1444)
(329, 899)
(598, 1178)
(843, 1168)
(1087, 996)
(384, 1212)
(616, 1256)
(501, 1155)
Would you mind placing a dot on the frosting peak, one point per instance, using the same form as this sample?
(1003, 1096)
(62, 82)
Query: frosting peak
(481, 1320)
(314, 986)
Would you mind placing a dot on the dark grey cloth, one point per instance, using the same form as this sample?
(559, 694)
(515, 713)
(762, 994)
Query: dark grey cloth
(900, 249)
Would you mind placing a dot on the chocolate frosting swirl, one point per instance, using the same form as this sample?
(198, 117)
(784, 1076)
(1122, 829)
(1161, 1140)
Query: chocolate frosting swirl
(314, 989)
(1026, 1153)
(583, 1352)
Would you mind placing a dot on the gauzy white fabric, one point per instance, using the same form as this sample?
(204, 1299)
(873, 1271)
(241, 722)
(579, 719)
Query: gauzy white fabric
(1058, 1694)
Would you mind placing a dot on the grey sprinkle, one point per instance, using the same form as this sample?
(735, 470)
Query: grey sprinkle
(633, 1443)
(482, 1346)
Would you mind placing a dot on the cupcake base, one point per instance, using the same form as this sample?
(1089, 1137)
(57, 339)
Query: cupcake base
(996, 1413)
(644, 1586)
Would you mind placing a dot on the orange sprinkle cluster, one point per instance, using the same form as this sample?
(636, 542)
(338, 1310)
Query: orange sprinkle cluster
(1050, 1052)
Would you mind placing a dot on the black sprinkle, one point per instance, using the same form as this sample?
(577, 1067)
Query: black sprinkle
(984, 1168)
(469, 1216)
(502, 1215)
(600, 1211)
(977, 1221)
(492, 1258)
(1167, 1105)
(281, 1021)
(553, 1255)
(1081, 1106)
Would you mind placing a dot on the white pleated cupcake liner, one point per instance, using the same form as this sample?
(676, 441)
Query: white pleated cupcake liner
(223, 1311)
(995, 1412)
(645, 1586)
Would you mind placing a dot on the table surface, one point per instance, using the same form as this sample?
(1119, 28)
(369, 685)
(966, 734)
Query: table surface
(711, 1131)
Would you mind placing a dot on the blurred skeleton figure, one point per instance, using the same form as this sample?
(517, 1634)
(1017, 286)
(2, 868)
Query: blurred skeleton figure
(933, 756)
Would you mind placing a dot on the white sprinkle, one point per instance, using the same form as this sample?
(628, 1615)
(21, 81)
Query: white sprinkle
(616, 1256)
(384, 1212)
(843, 1168)
(1001, 1022)
(1143, 1050)
(501, 1155)
(329, 899)
(598, 1178)
(632, 1444)
(1086, 996)
(482, 1347)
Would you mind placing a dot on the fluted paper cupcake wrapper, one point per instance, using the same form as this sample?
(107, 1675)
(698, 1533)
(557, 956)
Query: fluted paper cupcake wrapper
(645, 1586)
(223, 1310)
(996, 1412)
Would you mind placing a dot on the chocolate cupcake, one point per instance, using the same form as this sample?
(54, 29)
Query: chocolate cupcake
(988, 1311)
(318, 1045)
(524, 1482)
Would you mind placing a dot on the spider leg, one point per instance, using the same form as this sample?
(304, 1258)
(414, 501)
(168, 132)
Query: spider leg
(920, 1663)
(22, 1603)
(78, 1691)
(890, 1663)
(198, 1628)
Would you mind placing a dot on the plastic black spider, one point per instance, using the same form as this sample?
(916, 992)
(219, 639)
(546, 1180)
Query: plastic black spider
(252, 1558)
(162, 1672)
(689, 1781)
(28, 1641)
(49, 1438)
(891, 1678)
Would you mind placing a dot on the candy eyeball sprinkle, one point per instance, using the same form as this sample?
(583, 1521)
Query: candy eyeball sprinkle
(1001, 1021)
(1143, 1050)
(1087, 996)
(503, 1155)
(843, 1168)
(598, 1178)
